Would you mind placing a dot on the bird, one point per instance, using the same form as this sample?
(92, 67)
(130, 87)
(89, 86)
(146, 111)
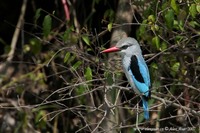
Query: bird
(135, 68)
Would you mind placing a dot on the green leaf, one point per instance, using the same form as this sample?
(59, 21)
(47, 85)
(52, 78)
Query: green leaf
(163, 46)
(109, 15)
(169, 18)
(81, 89)
(41, 118)
(35, 45)
(86, 39)
(67, 55)
(181, 25)
(179, 38)
(142, 28)
(175, 68)
(67, 36)
(26, 48)
(109, 78)
(198, 8)
(194, 24)
(156, 42)
(155, 27)
(72, 57)
(76, 65)
(193, 10)
(198, 60)
(198, 44)
(151, 18)
(154, 66)
(88, 73)
(110, 27)
(37, 15)
(174, 6)
(47, 23)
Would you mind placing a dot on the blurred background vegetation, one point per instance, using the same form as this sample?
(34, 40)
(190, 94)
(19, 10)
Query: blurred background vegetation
(54, 79)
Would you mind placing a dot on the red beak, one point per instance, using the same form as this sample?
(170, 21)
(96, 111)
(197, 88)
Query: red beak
(112, 49)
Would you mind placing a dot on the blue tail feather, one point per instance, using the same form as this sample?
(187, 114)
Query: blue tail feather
(146, 109)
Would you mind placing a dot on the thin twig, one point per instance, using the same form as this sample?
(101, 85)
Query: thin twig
(137, 117)
(104, 116)
(17, 31)
(196, 113)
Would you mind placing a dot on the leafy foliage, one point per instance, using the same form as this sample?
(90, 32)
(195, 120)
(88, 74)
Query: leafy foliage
(47, 24)
(59, 81)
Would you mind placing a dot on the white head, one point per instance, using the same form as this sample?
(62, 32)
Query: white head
(126, 46)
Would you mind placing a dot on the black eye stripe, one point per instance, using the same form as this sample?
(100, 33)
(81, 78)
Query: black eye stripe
(126, 46)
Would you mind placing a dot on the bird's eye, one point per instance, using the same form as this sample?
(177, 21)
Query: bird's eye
(125, 46)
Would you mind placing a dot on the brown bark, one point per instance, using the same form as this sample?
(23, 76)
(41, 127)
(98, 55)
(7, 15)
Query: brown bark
(124, 15)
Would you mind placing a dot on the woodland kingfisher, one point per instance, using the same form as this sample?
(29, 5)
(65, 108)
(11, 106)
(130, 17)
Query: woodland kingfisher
(135, 68)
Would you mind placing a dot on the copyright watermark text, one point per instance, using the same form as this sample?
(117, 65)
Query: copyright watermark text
(166, 129)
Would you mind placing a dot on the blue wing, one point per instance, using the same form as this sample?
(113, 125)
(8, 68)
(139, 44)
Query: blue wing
(144, 70)
(140, 74)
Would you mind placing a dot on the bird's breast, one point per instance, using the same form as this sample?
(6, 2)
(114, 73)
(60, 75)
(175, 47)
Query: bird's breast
(126, 64)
